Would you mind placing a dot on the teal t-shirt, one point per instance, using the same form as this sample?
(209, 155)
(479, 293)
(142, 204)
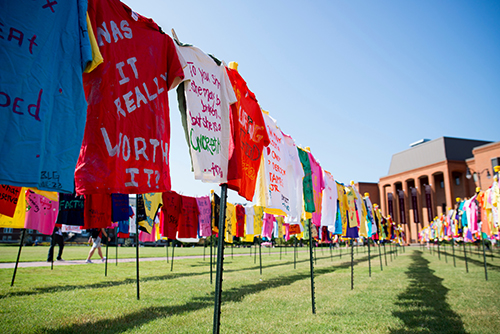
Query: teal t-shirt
(44, 49)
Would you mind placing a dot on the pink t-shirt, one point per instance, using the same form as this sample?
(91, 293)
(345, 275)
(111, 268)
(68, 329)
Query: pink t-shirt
(267, 227)
(318, 186)
(41, 213)
(205, 211)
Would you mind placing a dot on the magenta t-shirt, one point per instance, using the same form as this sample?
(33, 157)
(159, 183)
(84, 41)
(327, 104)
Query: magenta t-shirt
(41, 213)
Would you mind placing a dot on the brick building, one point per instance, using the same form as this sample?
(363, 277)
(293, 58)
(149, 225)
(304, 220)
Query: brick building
(425, 180)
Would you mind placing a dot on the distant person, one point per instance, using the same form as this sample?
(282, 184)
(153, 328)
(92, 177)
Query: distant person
(95, 238)
(57, 237)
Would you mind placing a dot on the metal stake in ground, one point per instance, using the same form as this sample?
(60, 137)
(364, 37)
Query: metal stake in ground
(173, 251)
(385, 255)
(380, 256)
(137, 251)
(106, 262)
(484, 258)
(311, 264)
(116, 244)
(352, 266)
(18, 256)
(453, 248)
(369, 261)
(211, 258)
(220, 259)
(295, 254)
(260, 254)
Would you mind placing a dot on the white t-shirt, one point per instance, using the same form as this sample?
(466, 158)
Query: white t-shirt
(329, 201)
(249, 214)
(295, 174)
(274, 171)
(209, 93)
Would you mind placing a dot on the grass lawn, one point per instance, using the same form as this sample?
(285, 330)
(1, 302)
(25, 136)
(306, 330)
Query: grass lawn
(415, 293)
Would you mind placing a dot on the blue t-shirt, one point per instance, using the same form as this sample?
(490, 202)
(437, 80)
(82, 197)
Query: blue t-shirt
(44, 48)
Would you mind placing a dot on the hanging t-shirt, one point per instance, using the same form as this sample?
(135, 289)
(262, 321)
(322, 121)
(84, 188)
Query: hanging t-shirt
(127, 135)
(343, 208)
(360, 213)
(249, 220)
(258, 219)
(188, 219)
(17, 221)
(240, 221)
(318, 186)
(172, 205)
(307, 181)
(268, 225)
(277, 191)
(215, 213)
(119, 207)
(42, 104)
(123, 227)
(372, 226)
(8, 199)
(132, 221)
(204, 103)
(329, 201)
(230, 222)
(205, 210)
(71, 209)
(141, 217)
(41, 213)
(294, 176)
(251, 132)
(152, 203)
(351, 206)
(97, 211)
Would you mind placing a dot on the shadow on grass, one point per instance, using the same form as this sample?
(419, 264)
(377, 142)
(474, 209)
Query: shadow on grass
(107, 284)
(146, 315)
(423, 306)
(479, 263)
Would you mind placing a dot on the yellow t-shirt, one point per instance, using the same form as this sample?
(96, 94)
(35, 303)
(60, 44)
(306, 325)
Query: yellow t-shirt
(19, 215)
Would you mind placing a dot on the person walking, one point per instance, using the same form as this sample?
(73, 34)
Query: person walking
(95, 238)
(57, 238)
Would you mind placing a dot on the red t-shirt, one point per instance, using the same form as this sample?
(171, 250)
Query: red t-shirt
(126, 142)
(188, 220)
(97, 211)
(240, 221)
(251, 132)
(172, 205)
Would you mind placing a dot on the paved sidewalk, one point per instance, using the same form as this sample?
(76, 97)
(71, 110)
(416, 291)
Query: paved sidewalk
(110, 261)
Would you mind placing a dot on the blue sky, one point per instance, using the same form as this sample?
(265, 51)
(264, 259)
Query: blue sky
(356, 81)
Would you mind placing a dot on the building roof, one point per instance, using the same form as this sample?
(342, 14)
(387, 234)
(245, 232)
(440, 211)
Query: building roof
(430, 152)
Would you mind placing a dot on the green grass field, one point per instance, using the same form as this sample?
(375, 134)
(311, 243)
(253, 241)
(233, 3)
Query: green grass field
(415, 293)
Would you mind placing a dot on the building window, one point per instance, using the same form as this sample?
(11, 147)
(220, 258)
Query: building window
(457, 180)
(495, 162)
(40, 239)
(442, 184)
(4, 237)
(30, 231)
(9, 237)
(8, 230)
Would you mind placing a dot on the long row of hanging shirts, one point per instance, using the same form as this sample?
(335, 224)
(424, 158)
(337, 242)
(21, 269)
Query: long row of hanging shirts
(107, 135)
